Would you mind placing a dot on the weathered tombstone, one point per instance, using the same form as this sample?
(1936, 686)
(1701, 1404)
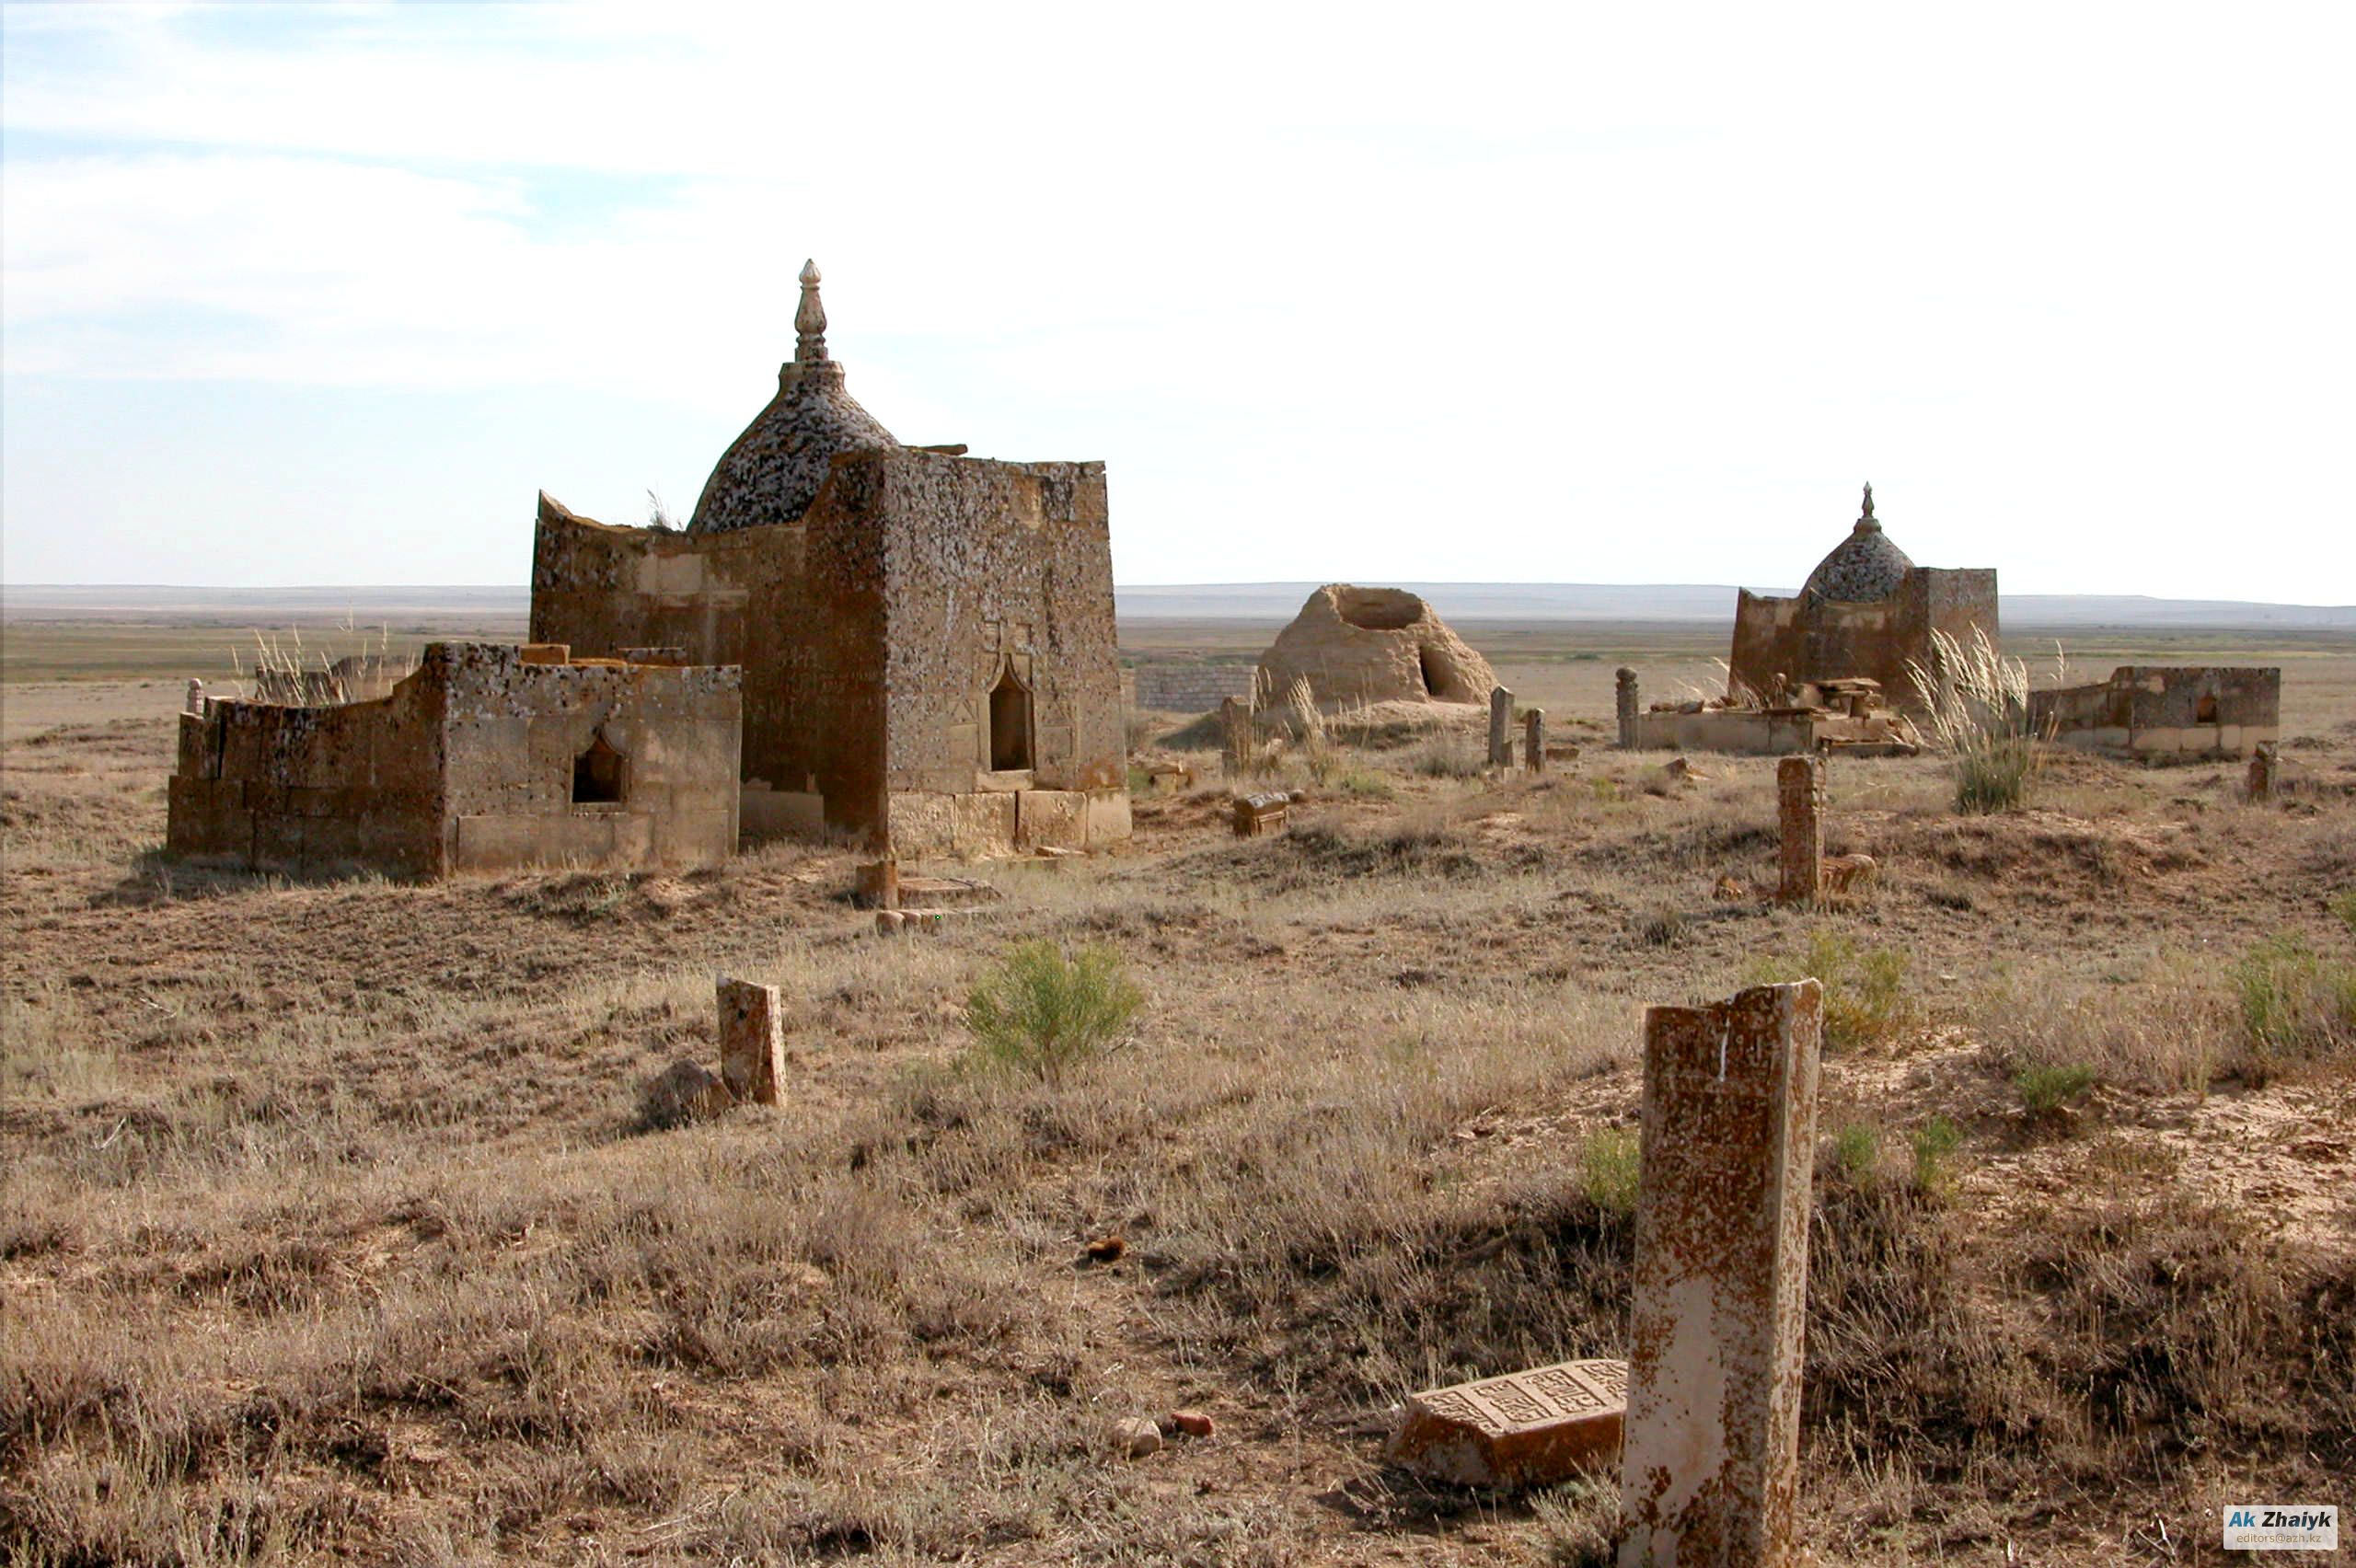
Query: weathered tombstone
(879, 884)
(1256, 816)
(195, 703)
(1500, 723)
(1525, 1429)
(1799, 810)
(1234, 732)
(1624, 699)
(2261, 770)
(1709, 1472)
(752, 1041)
(1533, 740)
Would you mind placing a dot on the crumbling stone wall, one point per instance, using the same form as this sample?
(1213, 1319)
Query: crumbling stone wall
(2166, 710)
(1810, 637)
(471, 764)
(1370, 645)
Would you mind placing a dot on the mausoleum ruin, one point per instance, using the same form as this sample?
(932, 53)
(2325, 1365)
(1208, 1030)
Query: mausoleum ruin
(485, 758)
(2164, 710)
(1370, 645)
(927, 639)
(1865, 611)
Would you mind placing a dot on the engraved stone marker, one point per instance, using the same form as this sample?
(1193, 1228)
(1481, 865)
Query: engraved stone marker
(1234, 730)
(1799, 799)
(1500, 722)
(1624, 700)
(1709, 1471)
(1533, 740)
(1525, 1429)
(879, 884)
(195, 703)
(752, 1041)
(2261, 770)
(1256, 816)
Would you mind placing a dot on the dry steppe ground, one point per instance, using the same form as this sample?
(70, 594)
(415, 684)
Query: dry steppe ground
(331, 1230)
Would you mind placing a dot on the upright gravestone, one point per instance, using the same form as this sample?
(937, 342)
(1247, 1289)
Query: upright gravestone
(2261, 770)
(1500, 725)
(1533, 740)
(1799, 803)
(1711, 1458)
(1234, 730)
(1624, 700)
(195, 703)
(752, 1042)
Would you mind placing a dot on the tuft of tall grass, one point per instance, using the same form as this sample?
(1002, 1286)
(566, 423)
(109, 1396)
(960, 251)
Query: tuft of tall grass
(1864, 989)
(2044, 1088)
(1977, 703)
(2295, 1004)
(1041, 1012)
(1610, 1165)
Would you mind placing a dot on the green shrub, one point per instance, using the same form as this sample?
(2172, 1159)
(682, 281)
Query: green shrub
(1934, 1143)
(1610, 1165)
(2046, 1088)
(1578, 1522)
(1994, 775)
(1865, 990)
(1856, 1153)
(1040, 1013)
(2344, 906)
(2293, 1005)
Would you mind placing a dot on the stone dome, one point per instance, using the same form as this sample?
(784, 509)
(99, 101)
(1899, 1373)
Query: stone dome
(771, 473)
(1373, 645)
(1864, 567)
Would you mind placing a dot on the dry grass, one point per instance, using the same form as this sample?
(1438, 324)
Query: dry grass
(328, 1233)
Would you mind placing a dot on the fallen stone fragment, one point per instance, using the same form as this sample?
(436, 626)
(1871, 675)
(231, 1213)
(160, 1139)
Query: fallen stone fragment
(1136, 1436)
(1189, 1422)
(1525, 1429)
(1847, 873)
(1104, 1249)
(1518, 1430)
(684, 1091)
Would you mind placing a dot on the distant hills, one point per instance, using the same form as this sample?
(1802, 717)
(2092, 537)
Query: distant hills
(1708, 604)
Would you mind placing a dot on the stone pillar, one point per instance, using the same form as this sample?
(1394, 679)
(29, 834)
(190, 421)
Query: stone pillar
(1799, 810)
(752, 1042)
(1533, 740)
(195, 702)
(1710, 1466)
(2261, 770)
(1626, 702)
(1500, 722)
(1235, 733)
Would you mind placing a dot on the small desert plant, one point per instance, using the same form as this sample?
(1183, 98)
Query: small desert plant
(1977, 703)
(1578, 1523)
(1934, 1143)
(2343, 904)
(1609, 1168)
(658, 516)
(1856, 1153)
(1865, 990)
(1040, 1013)
(1448, 753)
(2048, 1087)
(2293, 1004)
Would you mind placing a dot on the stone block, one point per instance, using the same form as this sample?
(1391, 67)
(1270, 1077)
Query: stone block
(981, 825)
(878, 886)
(1799, 803)
(923, 825)
(1054, 819)
(684, 1091)
(1108, 817)
(1258, 816)
(752, 1041)
(1710, 1467)
(1527, 1429)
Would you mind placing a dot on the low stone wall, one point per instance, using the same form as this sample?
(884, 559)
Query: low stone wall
(989, 824)
(1188, 688)
(486, 758)
(2166, 710)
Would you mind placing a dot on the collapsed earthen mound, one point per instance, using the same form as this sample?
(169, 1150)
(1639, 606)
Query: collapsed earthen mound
(1373, 645)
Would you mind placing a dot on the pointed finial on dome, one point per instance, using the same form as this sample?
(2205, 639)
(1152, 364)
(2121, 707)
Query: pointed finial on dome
(1866, 519)
(810, 321)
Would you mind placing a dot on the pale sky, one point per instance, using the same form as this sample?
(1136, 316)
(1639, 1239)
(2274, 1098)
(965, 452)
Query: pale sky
(1573, 293)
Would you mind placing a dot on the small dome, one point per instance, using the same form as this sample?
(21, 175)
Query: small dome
(1864, 567)
(771, 473)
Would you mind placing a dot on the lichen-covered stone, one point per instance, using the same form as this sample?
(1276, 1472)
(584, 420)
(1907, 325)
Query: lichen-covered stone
(1528, 1428)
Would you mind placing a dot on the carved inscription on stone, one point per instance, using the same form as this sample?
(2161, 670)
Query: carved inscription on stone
(1526, 1429)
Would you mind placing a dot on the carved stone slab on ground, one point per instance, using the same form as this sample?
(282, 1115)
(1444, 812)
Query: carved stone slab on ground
(1256, 816)
(1524, 1429)
(1709, 1472)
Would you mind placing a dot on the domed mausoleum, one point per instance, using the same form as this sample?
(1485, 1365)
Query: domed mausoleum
(1864, 612)
(926, 637)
